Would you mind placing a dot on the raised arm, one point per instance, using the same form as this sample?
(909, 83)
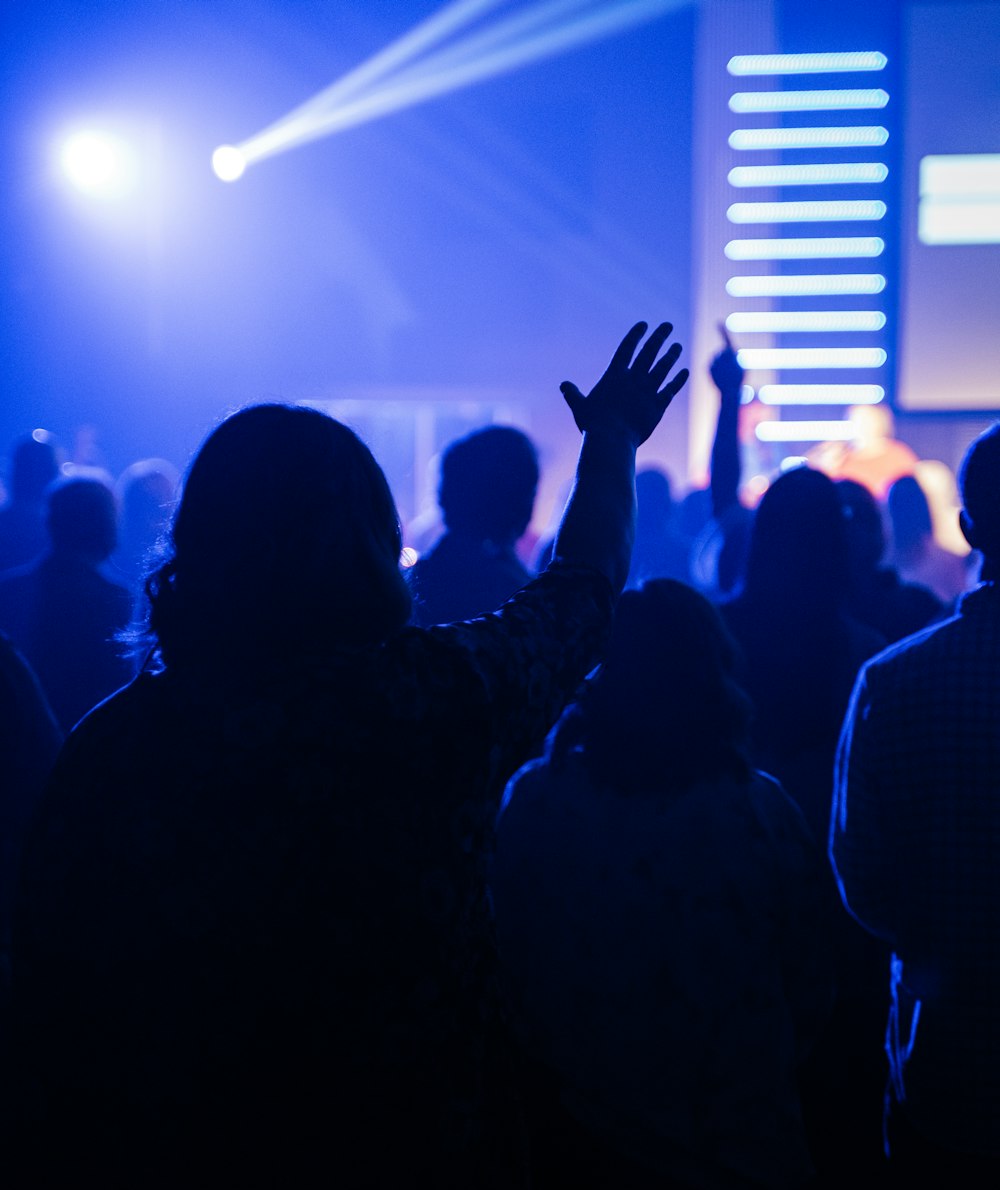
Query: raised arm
(620, 412)
(727, 375)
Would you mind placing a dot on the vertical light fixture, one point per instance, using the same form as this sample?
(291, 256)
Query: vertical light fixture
(806, 231)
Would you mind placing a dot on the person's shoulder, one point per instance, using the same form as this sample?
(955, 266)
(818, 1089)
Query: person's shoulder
(911, 652)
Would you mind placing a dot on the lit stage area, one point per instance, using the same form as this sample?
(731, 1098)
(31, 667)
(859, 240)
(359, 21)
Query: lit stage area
(424, 216)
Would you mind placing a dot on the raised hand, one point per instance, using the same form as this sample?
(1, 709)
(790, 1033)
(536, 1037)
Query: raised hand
(634, 392)
(725, 369)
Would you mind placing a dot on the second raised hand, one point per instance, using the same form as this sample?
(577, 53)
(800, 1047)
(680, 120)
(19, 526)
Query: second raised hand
(634, 391)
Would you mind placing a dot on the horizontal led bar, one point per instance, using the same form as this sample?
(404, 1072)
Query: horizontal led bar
(959, 199)
(805, 285)
(959, 222)
(781, 321)
(960, 175)
(850, 172)
(804, 431)
(779, 358)
(828, 63)
(846, 99)
(863, 135)
(821, 394)
(803, 249)
(813, 211)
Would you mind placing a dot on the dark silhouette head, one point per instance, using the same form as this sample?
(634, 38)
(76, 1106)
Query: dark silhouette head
(909, 514)
(654, 496)
(488, 483)
(34, 464)
(979, 486)
(286, 543)
(864, 525)
(797, 557)
(147, 490)
(665, 710)
(82, 515)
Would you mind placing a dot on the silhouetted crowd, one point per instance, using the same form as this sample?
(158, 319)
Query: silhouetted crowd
(661, 852)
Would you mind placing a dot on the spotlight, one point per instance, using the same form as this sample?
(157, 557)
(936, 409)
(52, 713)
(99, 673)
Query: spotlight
(96, 163)
(228, 163)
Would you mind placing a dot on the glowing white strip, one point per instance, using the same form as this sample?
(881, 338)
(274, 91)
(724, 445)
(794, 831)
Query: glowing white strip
(961, 175)
(853, 99)
(864, 135)
(960, 199)
(455, 68)
(779, 358)
(813, 211)
(959, 222)
(806, 63)
(803, 249)
(850, 172)
(821, 394)
(782, 321)
(804, 431)
(805, 284)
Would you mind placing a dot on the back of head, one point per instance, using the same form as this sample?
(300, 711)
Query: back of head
(798, 555)
(82, 514)
(979, 485)
(488, 483)
(909, 514)
(654, 495)
(286, 542)
(665, 710)
(34, 465)
(147, 490)
(864, 524)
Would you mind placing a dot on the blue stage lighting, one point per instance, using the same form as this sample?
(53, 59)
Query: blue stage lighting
(838, 137)
(850, 172)
(814, 211)
(824, 63)
(779, 358)
(804, 249)
(97, 163)
(794, 321)
(805, 284)
(821, 394)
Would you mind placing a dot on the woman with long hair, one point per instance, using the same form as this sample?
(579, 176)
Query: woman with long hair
(252, 945)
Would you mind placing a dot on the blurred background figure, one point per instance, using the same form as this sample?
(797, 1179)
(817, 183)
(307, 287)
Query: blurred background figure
(147, 491)
(486, 493)
(802, 651)
(34, 464)
(661, 922)
(917, 554)
(659, 550)
(878, 595)
(62, 611)
(873, 457)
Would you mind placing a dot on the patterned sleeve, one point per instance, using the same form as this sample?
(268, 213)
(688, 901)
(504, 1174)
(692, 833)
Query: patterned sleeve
(860, 833)
(532, 654)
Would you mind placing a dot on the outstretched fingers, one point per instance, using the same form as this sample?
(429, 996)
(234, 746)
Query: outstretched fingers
(622, 358)
(669, 391)
(660, 370)
(651, 348)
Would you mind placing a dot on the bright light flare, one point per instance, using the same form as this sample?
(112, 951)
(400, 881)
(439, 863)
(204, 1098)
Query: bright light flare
(96, 163)
(411, 70)
(228, 163)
